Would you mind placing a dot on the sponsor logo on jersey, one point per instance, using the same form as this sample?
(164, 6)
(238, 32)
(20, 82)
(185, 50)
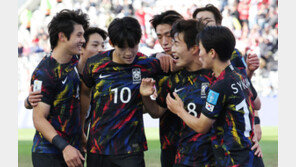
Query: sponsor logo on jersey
(64, 81)
(209, 106)
(204, 86)
(213, 97)
(136, 72)
(104, 76)
(178, 90)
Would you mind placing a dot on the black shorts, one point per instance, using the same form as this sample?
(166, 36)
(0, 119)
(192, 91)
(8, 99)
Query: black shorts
(167, 156)
(124, 160)
(48, 160)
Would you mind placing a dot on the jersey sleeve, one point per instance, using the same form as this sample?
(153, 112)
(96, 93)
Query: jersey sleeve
(253, 90)
(48, 86)
(163, 87)
(214, 102)
(87, 74)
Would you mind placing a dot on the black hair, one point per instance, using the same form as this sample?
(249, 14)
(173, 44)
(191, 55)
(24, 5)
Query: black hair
(92, 30)
(64, 21)
(167, 17)
(125, 31)
(190, 29)
(210, 8)
(219, 38)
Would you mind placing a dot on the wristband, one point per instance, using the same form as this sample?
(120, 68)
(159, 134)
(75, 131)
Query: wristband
(257, 120)
(29, 102)
(59, 142)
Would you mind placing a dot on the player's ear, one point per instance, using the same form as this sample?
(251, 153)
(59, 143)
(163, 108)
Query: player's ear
(111, 43)
(62, 36)
(194, 49)
(213, 53)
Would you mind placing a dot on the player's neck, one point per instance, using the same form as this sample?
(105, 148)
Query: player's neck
(220, 66)
(61, 55)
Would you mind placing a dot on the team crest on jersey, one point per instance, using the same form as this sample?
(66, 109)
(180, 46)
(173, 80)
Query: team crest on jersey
(136, 75)
(209, 106)
(204, 86)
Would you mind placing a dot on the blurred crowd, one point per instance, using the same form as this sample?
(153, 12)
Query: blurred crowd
(253, 22)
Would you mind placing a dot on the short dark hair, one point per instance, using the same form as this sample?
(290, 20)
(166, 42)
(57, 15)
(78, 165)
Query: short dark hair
(92, 30)
(190, 28)
(64, 21)
(210, 8)
(219, 38)
(167, 17)
(125, 31)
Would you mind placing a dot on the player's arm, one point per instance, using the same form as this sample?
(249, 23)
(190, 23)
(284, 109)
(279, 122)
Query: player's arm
(150, 106)
(257, 127)
(33, 98)
(201, 125)
(253, 64)
(40, 113)
(84, 102)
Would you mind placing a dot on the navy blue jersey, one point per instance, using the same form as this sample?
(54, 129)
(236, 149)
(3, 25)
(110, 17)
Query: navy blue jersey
(193, 149)
(238, 61)
(117, 116)
(229, 103)
(60, 90)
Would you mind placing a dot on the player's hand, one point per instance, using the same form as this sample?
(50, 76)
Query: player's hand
(34, 97)
(173, 66)
(253, 62)
(165, 61)
(83, 142)
(147, 87)
(256, 147)
(258, 131)
(174, 105)
(72, 157)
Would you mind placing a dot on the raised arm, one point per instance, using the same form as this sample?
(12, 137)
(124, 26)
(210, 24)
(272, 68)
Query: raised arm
(201, 125)
(150, 106)
(253, 64)
(33, 98)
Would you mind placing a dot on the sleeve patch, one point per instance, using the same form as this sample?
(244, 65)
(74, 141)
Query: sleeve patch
(213, 97)
(209, 106)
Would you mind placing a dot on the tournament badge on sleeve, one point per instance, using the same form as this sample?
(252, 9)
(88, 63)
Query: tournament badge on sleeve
(136, 75)
(204, 86)
(37, 85)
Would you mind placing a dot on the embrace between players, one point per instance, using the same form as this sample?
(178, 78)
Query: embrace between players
(204, 97)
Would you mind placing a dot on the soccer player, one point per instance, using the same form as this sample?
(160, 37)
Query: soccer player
(116, 136)
(56, 117)
(169, 124)
(94, 43)
(211, 16)
(193, 149)
(228, 108)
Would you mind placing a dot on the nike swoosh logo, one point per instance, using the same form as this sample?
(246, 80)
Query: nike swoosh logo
(104, 76)
(64, 81)
(178, 90)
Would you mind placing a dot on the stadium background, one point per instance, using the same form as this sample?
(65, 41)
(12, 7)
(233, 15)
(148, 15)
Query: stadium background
(254, 23)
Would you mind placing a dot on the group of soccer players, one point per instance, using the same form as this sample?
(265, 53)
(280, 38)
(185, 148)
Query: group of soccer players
(204, 98)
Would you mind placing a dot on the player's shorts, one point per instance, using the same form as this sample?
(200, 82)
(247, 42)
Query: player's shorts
(124, 160)
(258, 162)
(48, 160)
(167, 156)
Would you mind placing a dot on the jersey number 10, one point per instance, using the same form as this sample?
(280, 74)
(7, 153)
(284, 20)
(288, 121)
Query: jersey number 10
(121, 95)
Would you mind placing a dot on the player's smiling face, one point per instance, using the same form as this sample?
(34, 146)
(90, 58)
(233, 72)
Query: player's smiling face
(125, 55)
(164, 37)
(94, 45)
(181, 53)
(76, 40)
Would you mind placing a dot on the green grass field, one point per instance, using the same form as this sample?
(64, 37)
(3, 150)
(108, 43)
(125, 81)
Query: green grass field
(268, 143)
